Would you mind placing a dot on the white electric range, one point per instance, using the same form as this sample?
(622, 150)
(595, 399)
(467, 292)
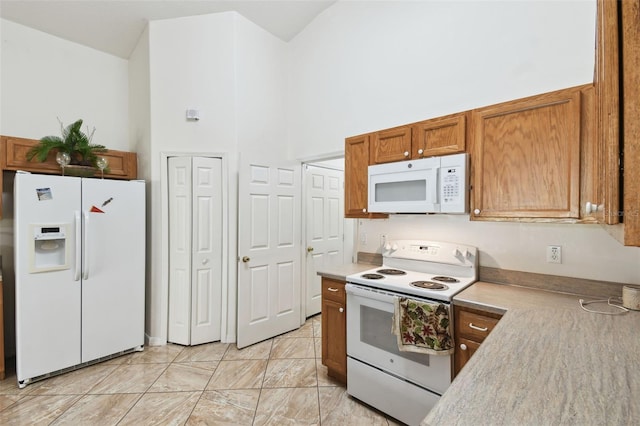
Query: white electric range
(433, 270)
(404, 385)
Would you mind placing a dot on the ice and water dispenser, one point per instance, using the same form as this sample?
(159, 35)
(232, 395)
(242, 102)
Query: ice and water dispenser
(50, 248)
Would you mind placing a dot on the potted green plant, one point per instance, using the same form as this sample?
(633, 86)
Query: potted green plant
(73, 141)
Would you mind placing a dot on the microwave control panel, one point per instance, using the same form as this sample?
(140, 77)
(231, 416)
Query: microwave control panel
(452, 188)
(451, 185)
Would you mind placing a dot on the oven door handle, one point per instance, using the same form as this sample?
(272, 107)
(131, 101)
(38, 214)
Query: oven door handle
(367, 293)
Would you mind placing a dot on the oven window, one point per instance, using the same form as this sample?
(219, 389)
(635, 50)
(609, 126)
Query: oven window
(375, 330)
(411, 190)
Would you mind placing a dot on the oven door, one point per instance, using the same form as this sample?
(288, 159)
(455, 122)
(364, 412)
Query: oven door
(370, 340)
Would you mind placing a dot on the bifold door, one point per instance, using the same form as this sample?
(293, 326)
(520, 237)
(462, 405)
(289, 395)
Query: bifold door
(195, 249)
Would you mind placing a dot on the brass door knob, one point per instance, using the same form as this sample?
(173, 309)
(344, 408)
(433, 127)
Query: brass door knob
(309, 249)
(245, 259)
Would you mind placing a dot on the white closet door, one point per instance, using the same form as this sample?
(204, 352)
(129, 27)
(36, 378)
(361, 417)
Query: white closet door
(195, 253)
(206, 243)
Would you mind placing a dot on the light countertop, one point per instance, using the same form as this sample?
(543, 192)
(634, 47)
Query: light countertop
(340, 272)
(499, 298)
(546, 362)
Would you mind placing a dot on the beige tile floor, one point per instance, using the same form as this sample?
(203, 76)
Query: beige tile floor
(276, 382)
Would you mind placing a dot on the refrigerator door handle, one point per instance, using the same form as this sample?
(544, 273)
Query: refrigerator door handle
(78, 262)
(85, 247)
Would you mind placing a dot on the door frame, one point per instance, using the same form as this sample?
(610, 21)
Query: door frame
(164, 200)
(349, 231)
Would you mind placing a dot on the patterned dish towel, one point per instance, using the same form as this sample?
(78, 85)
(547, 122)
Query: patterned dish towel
(422, 327)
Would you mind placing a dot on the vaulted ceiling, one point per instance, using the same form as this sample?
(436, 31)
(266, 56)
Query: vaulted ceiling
(114, 26)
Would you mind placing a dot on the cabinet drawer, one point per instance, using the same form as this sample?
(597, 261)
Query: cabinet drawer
(333, 290)
(474, 326)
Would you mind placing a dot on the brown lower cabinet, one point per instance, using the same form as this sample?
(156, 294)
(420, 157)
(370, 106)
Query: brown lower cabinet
(1, 331)
(471, 327)
(334, 329)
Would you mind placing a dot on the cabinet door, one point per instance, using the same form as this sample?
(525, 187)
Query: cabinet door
(592, 175)
(439, 136)
(356, 161)
(464, 350)
(526, 158)
(334, 338)
(630, 12)
(390, 145)
(356, 178)
(334, 328)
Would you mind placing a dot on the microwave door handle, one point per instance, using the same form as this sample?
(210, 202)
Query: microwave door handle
(436, 193)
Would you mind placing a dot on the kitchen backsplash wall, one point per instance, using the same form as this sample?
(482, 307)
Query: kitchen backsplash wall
(588, 251)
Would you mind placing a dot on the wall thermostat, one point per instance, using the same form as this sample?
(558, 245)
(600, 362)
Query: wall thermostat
(193, 114)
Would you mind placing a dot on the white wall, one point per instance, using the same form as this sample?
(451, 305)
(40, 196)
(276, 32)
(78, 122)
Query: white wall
(588, 251)
(365, 65)
(261, 72)
(140, 141)
(233, 72)
(45, 77)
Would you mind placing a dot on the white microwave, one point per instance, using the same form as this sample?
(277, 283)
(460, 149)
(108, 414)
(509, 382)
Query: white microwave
(428, 185)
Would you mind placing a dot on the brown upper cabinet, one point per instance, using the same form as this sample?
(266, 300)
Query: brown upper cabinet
(617, 82)
(526, 158)
(356, 178)
(387, 146)
(356, 162)
(13, 150)
(566, 156)
(438, 136)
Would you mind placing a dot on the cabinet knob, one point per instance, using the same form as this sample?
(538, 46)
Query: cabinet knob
(591, 207)
(364, 210)
(406, 153)
(341, 309)
(476, 211)
(463, 346)
(421, 151)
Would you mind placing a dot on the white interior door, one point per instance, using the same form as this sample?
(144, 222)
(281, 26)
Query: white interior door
(324, 200)
(195, 259)
(269, 247)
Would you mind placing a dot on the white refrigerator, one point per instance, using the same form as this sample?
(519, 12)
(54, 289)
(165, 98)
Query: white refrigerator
(79, 250)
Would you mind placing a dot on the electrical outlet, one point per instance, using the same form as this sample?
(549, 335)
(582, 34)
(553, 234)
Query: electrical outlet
(554, 254)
